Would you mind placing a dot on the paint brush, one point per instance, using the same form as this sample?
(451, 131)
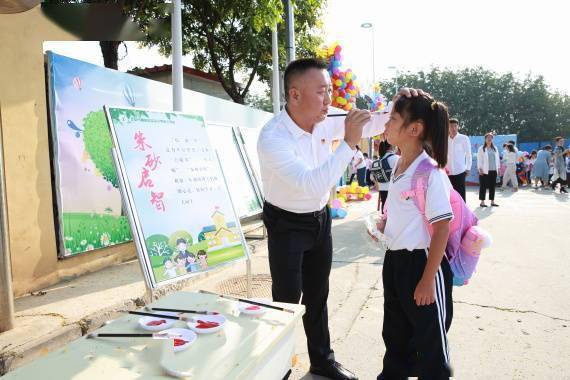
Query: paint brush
(165, 316)
(182, 310)
(159, 335)
(248, 301)
(344, 114)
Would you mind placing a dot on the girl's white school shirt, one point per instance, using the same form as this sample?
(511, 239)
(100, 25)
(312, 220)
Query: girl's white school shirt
(405, 226)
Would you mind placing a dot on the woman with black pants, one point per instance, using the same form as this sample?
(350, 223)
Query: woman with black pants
(488, 162)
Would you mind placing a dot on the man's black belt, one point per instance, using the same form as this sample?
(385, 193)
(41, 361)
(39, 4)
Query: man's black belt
(311, 214)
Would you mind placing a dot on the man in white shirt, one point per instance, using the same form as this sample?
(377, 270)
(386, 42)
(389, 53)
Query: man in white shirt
(298, 169)
(459, 157)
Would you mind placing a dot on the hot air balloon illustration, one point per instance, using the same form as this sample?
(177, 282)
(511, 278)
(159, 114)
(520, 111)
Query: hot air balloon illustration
(75, 128)
(77, 83)
(129, 94)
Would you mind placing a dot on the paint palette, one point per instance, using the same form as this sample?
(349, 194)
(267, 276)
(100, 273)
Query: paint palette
(254, 310)
(207, 324)
(186, 338)
(157, 323)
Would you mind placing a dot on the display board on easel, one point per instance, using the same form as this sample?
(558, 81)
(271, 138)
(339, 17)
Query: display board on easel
(181, 214)
(249, 137)
(245, 192)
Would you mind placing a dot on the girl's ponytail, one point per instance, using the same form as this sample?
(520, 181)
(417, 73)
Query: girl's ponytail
(437, 133)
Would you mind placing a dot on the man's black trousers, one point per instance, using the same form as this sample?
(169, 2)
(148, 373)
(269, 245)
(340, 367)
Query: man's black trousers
(458, 183)
(300, 259)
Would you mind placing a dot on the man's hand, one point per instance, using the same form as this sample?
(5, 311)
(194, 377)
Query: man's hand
(355, 120)
(466, 173)
(481, 172)
(409, 93)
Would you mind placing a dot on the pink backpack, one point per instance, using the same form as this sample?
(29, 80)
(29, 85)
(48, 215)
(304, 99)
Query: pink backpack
(466, 238)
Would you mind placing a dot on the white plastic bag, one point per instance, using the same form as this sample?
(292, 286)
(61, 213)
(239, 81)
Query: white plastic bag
(371, 220)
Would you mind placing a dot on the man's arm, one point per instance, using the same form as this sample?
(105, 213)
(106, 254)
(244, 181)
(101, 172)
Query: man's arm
(373, 128)
(281, 160)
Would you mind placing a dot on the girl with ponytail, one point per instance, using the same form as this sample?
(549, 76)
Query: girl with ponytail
(416, 274)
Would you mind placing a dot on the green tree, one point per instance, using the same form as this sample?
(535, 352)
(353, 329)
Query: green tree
(157, 245)
(485, 101)
(98, 144)
(232, 38)
(109, 49)
(262, 102)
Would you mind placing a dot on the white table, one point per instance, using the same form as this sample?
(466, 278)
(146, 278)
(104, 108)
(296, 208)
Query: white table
(247, 348)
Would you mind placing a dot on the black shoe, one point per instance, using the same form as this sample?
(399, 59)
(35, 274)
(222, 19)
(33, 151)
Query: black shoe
(483, 205)
(563, 190)
(333, 370)
(494, 205)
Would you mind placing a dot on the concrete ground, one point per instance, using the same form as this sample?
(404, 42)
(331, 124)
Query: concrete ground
(511, 322)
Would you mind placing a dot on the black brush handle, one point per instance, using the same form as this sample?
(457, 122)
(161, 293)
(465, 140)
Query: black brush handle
(118, 335)
(180, 310)
(154, 315)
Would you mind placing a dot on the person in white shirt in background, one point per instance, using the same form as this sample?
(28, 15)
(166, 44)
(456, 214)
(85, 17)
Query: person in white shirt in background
(459, 157)
(511, 171)
(488, 163)
(298, 169)
(360, 167)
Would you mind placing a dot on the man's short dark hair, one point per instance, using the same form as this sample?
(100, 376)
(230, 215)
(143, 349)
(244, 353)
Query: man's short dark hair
(453, 121)
(299, 67)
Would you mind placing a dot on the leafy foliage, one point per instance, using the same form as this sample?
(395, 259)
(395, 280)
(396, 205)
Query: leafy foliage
(485, 101)
(98, 144)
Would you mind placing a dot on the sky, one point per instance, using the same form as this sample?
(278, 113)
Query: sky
(502, 35)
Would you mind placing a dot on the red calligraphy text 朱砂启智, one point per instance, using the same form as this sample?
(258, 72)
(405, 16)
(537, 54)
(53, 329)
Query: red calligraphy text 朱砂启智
(152, 161)
(156, 200)
(145, 180)
(140, 141)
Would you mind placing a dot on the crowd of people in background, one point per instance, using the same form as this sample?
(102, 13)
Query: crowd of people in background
(544, 168)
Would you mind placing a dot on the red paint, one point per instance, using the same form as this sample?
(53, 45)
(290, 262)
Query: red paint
(179, 342)
(156, 323)
(206, 324)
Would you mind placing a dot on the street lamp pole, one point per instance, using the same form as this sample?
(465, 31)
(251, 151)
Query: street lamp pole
(395, 77)
(369, 25)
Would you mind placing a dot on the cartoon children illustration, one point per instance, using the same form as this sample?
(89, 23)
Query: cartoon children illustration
(181, 246)
(191, 264)
(169, 268)
(181, 263)
(202, 258)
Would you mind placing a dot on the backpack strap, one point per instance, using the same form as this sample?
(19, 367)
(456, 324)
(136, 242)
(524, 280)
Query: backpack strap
(420, 180)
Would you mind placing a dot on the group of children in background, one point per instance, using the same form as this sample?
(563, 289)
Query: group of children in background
(539, 169)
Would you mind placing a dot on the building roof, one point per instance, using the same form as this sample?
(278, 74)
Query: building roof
(168, 68)
(208, 229)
